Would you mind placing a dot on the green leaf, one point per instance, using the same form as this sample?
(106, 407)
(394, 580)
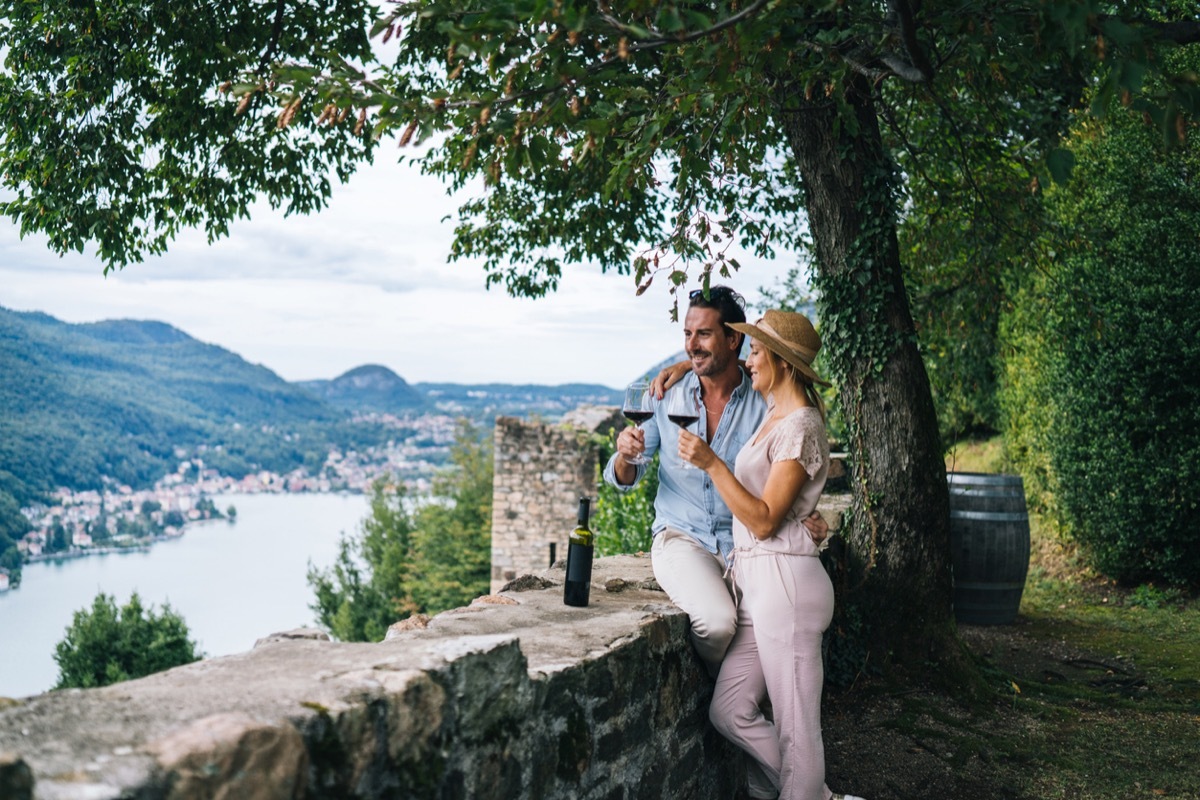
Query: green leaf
(1060, 162)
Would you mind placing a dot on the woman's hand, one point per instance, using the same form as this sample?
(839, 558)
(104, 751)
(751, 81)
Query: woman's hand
(668, 377)
(818, 528)
(696, 451)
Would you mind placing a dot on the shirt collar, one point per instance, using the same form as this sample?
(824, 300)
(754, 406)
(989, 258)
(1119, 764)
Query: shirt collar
(742, 388)
(692, 382)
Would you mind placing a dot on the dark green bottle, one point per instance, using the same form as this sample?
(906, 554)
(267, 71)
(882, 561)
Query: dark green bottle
(579, 560)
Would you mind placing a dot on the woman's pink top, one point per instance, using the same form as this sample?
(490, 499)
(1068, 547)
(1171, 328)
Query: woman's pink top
(799, 436)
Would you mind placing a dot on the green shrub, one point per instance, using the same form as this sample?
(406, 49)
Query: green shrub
(1102, 392)
(1027, 400)
(622, 521)
(1150, 596)
(108, 645)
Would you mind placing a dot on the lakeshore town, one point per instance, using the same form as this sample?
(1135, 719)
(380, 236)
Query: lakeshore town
(81, 523)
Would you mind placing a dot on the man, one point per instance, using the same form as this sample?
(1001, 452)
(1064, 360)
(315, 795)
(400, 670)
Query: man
(693, 528)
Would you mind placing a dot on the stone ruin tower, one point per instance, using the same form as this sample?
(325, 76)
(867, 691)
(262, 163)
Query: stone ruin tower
(542, 469)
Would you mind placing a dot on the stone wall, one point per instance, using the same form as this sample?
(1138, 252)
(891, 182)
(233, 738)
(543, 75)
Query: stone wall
(516, 696)
(541, 472)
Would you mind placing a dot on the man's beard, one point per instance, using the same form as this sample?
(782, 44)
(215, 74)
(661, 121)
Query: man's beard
(712, 366)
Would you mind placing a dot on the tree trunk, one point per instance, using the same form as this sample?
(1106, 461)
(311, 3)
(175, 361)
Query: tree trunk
(899, 576)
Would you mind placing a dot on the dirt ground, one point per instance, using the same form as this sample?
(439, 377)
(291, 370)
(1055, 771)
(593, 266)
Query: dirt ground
(900, 746)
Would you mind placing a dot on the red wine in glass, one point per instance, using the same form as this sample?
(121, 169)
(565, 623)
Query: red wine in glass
(637, 408)
(684, 420)
(684, 411)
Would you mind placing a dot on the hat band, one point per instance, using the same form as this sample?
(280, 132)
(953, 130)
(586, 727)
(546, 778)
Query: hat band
(807, 354)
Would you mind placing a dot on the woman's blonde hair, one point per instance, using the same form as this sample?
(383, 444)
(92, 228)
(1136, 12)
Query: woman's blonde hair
(778, 364)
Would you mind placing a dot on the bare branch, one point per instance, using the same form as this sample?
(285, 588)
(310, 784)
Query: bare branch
(268, 54)
(859, 59)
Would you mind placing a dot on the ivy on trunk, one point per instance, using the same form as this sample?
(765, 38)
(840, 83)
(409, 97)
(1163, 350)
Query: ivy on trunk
(900, 516)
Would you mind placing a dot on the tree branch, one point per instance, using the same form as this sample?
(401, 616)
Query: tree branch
(273, 42)
(609, 61)
(904, 70)
(860, 59)
(908, 35)
(663, 39)
(1177, 31)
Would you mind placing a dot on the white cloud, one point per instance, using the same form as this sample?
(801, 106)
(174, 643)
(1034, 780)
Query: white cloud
(365, 281)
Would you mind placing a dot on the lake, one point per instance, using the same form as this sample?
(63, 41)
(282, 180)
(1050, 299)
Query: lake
(232, 583)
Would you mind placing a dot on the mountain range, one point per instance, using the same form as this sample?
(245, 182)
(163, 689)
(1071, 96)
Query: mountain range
(120, 399)
(126, 400)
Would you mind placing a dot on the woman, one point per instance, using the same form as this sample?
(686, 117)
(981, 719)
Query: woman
(785, 598)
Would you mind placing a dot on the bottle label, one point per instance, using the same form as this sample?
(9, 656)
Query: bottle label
(579, 563)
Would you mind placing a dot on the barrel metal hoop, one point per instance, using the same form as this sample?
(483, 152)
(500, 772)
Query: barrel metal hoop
(990, 585)
(984, 479)
(990, 516)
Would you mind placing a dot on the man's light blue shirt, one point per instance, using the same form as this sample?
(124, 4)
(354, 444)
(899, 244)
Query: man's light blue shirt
(687, 499)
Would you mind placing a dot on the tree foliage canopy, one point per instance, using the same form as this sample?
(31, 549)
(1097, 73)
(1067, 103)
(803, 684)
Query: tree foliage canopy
(644, 136)
(108, 644)
(636, 135)
(115, 133)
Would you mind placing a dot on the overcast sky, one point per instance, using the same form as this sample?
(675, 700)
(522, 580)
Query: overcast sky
(366, 281)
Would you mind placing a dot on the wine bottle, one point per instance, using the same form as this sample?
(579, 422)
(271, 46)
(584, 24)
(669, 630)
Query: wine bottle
(579, 560)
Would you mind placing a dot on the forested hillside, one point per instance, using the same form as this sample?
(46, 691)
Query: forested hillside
(124, 401)
(114, 399)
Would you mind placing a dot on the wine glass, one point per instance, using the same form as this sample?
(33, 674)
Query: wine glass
(683, 409)
(637, 408)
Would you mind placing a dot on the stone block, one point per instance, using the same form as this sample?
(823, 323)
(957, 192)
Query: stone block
(231, 756)
(412, 623)
(316, 634)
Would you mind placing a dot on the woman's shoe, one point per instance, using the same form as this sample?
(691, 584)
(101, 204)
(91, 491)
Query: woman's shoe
(847, 797)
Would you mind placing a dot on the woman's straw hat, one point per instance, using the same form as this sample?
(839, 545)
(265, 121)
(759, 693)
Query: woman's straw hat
(790, 336)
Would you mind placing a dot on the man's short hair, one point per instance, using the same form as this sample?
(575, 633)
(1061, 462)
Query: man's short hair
(730, 306)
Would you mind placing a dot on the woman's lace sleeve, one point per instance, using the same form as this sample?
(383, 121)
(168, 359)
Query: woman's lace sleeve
(801, 437)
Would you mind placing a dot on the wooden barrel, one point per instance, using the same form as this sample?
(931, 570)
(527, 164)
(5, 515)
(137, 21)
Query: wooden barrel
(989, 546)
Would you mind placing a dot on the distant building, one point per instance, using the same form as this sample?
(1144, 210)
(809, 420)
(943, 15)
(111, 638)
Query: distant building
(81, 539)
(3, 580)
(541, 471)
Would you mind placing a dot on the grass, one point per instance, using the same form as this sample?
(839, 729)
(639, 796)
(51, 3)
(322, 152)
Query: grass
(984, 455)
(1110, 683)
(1108, 697)
(1097, 695)
(1124, 703)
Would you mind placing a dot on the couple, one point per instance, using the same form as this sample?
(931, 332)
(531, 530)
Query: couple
(762, 458)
